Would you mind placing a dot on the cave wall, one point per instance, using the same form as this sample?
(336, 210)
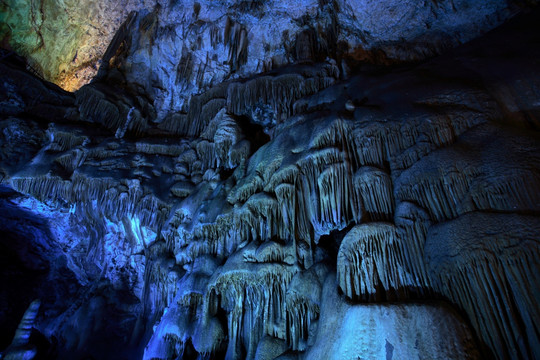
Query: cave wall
(195, 200)
(65, 40)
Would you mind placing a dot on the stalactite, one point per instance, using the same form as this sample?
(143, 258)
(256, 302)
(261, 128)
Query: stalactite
(337, 134)
(287, 201)
(300, 314)
(512, 191)
(207, 153)
(439, 131)
(209, 337)
(247, 187)
(114, 112)
(408, 158)
(272, 252)
(226, 135)
(412, 225)
(44, 188)
(182, 189)
(302, 306)
(238, 154)
(261, 218)
(441, 194)
(304, 209)
(370, 264)
(452, 181)
(267, 212)
(175, 124)
(24, 331)
(402, 143)
(336, 204)
(113, 199)
(94, 107)
(253, 297)
(237, 196)
(98, 154)
(65, 140)
(327, 188)
(160, 283)
(484, 262)
(322, 179)
(71, 160)
(284, 175)
(170, 334)
(22, 346)
(373, 188)
(236, 38)
(218, 238)
(202, 109)
(265, 94)
(222, 146)
(269, 100)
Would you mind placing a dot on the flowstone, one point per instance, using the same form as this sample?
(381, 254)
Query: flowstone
(225, 189)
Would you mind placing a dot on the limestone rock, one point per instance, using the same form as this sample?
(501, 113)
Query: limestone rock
(202, 42)
(228, 189)
(64, 40)
(390, 331)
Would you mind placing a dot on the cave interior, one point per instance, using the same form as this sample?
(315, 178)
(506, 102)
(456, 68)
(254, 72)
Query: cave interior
(264, 179)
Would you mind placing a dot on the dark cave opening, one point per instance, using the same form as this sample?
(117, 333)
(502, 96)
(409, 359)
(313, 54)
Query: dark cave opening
(19, 289)
(253, 132)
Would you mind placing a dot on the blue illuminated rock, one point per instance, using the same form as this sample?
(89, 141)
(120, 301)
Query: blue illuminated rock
(252, 180)
(201, 43)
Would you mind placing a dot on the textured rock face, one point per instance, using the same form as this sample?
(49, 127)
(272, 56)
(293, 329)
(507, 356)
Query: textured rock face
(178, 49)
(63, 39)
(186, 46)
(314, 210)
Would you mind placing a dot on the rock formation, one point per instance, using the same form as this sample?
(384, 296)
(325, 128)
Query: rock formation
(198, 43)
(273, 180)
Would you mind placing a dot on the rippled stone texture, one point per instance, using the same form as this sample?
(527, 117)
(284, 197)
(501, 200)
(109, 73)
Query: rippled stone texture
(302, 212)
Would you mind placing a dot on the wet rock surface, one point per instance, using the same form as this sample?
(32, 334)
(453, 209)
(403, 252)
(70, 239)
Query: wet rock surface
(246, 211)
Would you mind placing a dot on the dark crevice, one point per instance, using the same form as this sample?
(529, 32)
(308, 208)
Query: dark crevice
(331, 243)
(254, 133)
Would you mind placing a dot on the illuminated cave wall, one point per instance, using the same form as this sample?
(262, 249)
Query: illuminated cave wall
(273, 180)
(65, 40)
